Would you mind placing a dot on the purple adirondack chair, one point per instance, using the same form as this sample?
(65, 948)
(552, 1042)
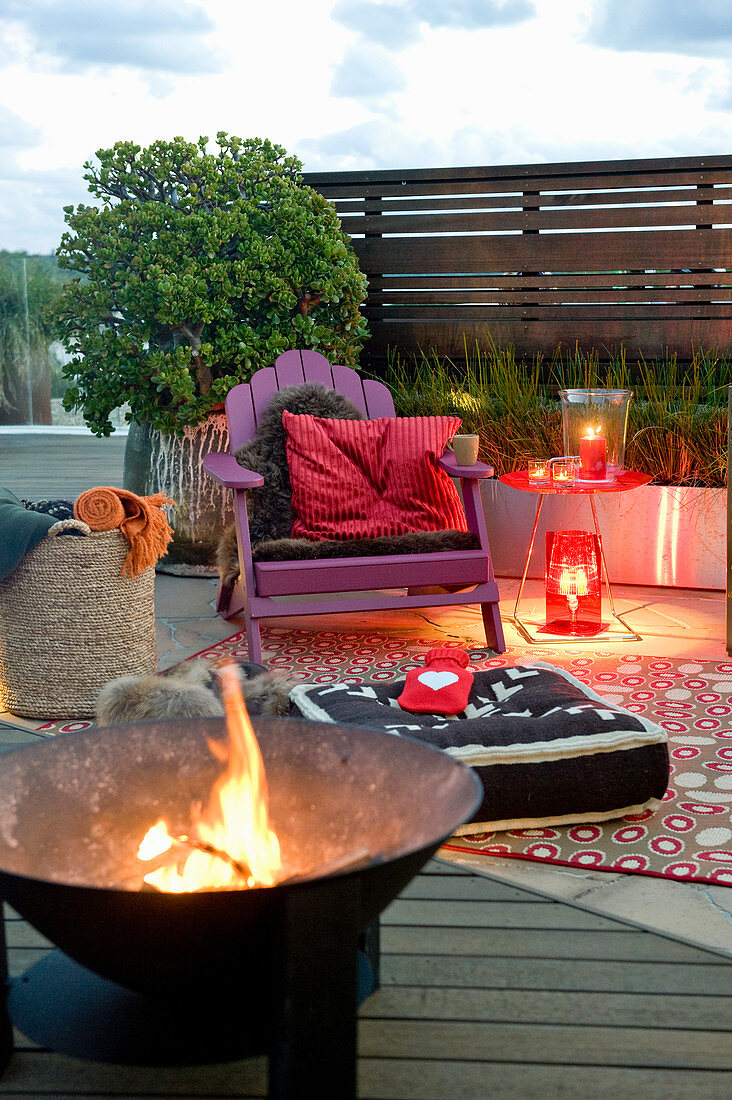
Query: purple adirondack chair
(264, 581)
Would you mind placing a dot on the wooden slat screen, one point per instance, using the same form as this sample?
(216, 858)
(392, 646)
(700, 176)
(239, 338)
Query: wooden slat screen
(603, 254)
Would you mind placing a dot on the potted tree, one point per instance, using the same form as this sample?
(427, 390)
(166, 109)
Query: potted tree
(195, 269)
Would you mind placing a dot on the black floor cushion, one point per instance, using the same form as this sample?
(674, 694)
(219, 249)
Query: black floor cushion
(547, 749)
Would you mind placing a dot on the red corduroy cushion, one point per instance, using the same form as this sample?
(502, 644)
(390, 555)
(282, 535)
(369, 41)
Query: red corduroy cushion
(364, 478)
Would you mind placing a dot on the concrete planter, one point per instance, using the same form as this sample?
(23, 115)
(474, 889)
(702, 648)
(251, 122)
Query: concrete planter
(669, 536)
(156, 462)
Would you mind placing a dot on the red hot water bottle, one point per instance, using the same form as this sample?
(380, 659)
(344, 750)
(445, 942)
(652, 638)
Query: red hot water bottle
(441, 687)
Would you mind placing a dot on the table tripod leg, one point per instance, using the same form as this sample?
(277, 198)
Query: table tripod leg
(634, 635)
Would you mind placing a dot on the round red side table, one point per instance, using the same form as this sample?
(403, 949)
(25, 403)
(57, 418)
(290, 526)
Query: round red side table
(627, 479)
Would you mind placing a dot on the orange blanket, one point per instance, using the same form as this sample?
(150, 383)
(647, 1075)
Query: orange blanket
(141, 520)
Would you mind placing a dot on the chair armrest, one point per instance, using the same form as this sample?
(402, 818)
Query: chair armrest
(450, 466)
(223, 467)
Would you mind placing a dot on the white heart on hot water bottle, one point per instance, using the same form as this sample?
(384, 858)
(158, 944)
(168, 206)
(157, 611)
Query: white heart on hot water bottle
(437, 680)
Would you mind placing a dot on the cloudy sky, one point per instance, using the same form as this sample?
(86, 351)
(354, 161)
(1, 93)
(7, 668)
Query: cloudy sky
(353, 84)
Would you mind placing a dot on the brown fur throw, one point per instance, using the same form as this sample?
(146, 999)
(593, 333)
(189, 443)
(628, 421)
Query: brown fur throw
(190, 690)
(270, 506)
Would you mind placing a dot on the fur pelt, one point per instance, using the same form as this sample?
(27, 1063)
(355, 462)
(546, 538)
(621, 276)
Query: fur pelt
(190, 690)
(414, 542)
(270, 507)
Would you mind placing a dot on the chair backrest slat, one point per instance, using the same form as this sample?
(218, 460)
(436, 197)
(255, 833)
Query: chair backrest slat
(317, 368)
(379, 400)
(246, 402)
(240, 416)
(264, 385)
(348, 382)
(289, 370)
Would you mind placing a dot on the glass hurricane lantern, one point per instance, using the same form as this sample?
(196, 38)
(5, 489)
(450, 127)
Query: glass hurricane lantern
(602, 413)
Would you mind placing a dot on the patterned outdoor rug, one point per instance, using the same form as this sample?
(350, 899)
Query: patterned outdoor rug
(689, 838)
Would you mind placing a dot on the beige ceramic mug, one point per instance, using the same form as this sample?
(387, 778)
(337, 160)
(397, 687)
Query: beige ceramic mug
(465, 449)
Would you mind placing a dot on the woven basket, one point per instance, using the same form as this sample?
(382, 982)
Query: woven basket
(70, 623)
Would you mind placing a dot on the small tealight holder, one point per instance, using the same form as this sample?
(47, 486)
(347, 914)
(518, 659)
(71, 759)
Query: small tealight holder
(538, 470)
(562, 471)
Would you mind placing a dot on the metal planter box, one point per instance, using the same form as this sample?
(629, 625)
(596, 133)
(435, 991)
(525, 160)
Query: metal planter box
(668, 536)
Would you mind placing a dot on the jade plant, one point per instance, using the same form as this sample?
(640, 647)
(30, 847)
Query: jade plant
(195, 269)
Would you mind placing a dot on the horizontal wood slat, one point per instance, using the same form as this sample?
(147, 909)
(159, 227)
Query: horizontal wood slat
(489, 915)
(685, 249)
(582, 311)
(505, 283)
(357, 186)
(553, 296)
(580, 1045)
(523, 943)
(392, 1077)
(515, 200)
(550, 220)
(647, 337)
(506, 231)
(550, 1007)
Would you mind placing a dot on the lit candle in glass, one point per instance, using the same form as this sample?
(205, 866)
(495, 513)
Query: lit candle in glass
(538, 471)
(563, 472)
(593, 456)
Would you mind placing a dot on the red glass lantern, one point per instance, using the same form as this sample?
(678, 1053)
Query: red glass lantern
(573, 583)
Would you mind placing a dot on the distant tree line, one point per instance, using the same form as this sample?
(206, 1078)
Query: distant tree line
(30, 366)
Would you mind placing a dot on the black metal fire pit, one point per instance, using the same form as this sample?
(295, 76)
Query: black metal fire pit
(279, 962)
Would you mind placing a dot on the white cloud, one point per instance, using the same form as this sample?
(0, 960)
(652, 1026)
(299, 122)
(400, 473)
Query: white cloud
(398, 23)
(31, 206)
(696, 28)
(368, 72)
(473, 14)
(391, 24)
(16, 133)
(78, 35)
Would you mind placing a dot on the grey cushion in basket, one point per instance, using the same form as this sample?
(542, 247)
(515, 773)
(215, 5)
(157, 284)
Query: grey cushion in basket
(548, 750)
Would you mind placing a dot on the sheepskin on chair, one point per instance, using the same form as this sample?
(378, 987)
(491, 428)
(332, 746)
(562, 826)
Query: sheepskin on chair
(270, 506)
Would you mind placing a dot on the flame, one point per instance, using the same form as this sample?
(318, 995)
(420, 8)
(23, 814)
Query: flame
(231, 844)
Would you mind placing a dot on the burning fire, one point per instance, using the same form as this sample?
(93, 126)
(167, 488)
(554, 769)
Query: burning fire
(231, 844)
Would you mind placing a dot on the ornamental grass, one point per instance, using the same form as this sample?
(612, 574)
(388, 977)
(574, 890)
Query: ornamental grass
(677, 422)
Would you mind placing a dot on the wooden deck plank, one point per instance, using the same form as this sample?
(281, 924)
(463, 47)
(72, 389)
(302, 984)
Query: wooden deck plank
(475, 888)
(543, 1006)
(57, 1075)
(433, 1080)
(38, 466)
(588, 975)
(600, 1008)
(490, 914)
(531, 943)
(547, 1043)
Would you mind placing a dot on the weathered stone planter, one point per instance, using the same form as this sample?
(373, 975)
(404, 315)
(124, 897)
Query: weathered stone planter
(155, 462)
(670, 536)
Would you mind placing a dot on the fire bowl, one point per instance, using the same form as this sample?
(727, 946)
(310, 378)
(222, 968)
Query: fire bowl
(74, 809)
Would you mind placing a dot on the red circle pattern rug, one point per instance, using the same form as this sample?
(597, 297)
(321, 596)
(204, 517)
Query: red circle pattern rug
(689, 837)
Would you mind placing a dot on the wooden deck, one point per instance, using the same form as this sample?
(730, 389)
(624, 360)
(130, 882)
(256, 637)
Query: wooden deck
(58, 466)
(487, 991)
